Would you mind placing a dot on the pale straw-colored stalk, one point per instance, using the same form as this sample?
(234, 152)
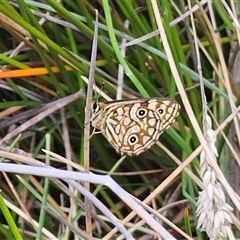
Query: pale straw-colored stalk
(212, 210)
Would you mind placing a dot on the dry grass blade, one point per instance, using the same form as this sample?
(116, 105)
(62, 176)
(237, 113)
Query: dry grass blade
(87, 120)
(50, 108)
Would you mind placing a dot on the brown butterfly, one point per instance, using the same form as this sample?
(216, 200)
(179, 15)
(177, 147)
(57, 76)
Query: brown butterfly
(132, 126)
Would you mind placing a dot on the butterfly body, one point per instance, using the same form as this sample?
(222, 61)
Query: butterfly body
(132, 126)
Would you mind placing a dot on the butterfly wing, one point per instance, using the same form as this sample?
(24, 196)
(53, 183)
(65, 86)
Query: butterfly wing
(134, 126)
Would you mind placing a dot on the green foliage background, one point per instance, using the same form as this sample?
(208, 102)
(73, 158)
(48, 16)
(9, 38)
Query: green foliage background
(42, 34)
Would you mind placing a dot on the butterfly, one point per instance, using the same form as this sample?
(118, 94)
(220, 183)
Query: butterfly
(133, 126)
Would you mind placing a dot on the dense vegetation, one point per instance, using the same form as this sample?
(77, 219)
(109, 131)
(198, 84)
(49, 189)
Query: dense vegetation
(131, 49)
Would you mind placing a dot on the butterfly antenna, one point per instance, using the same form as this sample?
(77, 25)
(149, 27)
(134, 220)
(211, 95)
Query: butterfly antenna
(99, 94)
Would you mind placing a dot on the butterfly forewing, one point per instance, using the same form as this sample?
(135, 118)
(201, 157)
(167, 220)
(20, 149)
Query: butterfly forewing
(133, 126)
